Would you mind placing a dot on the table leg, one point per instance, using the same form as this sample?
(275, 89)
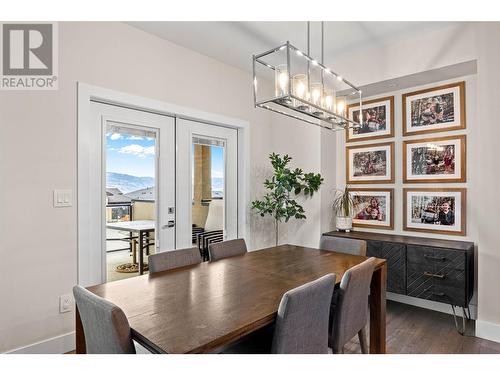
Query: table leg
(134, 251)
(141, 250)
(79, 334)
(377, 311)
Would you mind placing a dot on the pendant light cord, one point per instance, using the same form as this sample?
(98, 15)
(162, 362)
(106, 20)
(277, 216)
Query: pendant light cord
(322, 42)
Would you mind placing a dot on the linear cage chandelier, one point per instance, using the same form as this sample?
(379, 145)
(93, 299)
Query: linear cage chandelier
(290, 82)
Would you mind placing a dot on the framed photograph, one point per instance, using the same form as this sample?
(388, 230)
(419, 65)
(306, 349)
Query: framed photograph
(434, 110)
(435, 159)
(373, 208)
(377, 120)
(370, 164)
(435, 210)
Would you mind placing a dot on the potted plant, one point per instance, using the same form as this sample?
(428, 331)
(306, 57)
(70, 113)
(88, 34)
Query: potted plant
(343, 206)
(285, 185)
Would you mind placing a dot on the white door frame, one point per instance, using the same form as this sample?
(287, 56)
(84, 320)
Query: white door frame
(88, 93)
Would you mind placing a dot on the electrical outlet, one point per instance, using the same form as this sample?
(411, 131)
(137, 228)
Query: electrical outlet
(65, 303)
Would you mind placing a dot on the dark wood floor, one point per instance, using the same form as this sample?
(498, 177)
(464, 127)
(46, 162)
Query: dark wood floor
(412, 330)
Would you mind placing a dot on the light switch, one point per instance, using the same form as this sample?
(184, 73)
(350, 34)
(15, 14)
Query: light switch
(62, 198)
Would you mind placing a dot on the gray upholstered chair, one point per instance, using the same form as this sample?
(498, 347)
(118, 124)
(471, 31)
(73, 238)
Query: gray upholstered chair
(105, 325)
(350, 315)
(168, 260)
(301, 324)
(343, 245)
(227, 249)
(302, 317)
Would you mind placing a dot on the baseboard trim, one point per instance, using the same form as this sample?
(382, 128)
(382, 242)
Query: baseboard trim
(487, 330)
(430, 305)
(56, 345)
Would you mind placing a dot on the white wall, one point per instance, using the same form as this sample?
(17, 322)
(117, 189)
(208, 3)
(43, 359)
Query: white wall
(38, 143)
(488, 89)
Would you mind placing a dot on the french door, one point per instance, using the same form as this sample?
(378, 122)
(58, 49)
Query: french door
(206, 181)
(127, 123)
(179, 205)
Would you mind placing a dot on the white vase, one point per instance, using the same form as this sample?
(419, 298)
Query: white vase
(343, 223)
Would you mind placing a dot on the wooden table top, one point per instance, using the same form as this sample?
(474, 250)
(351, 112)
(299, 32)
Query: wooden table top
(200, 308)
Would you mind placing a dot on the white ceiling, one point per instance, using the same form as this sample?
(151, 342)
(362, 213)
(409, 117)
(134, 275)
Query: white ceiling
(234, 43)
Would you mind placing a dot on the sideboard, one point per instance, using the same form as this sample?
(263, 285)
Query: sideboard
(427, 268)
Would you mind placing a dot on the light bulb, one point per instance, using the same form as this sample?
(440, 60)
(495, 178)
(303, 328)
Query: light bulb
(283, 81)
(301, 89)
(329, 102)
(340, 108)
(315, 95)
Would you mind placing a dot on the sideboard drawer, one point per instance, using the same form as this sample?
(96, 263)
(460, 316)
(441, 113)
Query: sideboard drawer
(438, 257)
(446, 285)
(395, 254)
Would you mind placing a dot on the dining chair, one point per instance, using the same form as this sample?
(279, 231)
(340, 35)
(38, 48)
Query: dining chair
(301, 325)
(350, 315)
(168, 260)
(105, 325)
(343, 245)
(302, 316)
(226, 249)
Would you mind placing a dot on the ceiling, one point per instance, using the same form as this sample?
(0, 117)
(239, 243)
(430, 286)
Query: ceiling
(235, 42)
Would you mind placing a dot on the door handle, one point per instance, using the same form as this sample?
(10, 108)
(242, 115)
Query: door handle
(170, 224)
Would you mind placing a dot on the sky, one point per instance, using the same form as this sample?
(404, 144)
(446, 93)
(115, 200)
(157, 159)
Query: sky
(217, 162)
(132, 155)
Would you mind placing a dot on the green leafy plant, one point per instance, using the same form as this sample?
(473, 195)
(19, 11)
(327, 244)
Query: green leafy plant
(343, 204)
(285, 185)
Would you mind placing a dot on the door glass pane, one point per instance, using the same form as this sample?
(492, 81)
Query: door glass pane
(130, 197)
(208, 183)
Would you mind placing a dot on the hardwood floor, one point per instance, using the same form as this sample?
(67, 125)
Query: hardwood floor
(413, 330)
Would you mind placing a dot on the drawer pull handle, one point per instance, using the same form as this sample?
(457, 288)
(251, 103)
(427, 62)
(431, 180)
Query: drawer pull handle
(439, 276)
(442, 259)
(438, 294)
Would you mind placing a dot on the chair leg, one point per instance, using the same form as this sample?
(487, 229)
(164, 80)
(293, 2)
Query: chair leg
(362, 341)
(338, 350)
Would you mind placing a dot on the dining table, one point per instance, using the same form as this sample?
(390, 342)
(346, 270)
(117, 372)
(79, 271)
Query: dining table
(140, 227)
(206, 307)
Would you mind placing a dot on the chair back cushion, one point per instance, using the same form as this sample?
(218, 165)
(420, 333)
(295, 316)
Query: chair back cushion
(343, 245)
(302, 321)
(168, 260)
(227, 249)
(105, 325)
(351, 311)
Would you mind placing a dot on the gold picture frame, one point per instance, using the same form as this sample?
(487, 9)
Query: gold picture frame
(428, 119)
(424, 214)
(388, 102)
(388, 194)
(372, 174)
(441, 161)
